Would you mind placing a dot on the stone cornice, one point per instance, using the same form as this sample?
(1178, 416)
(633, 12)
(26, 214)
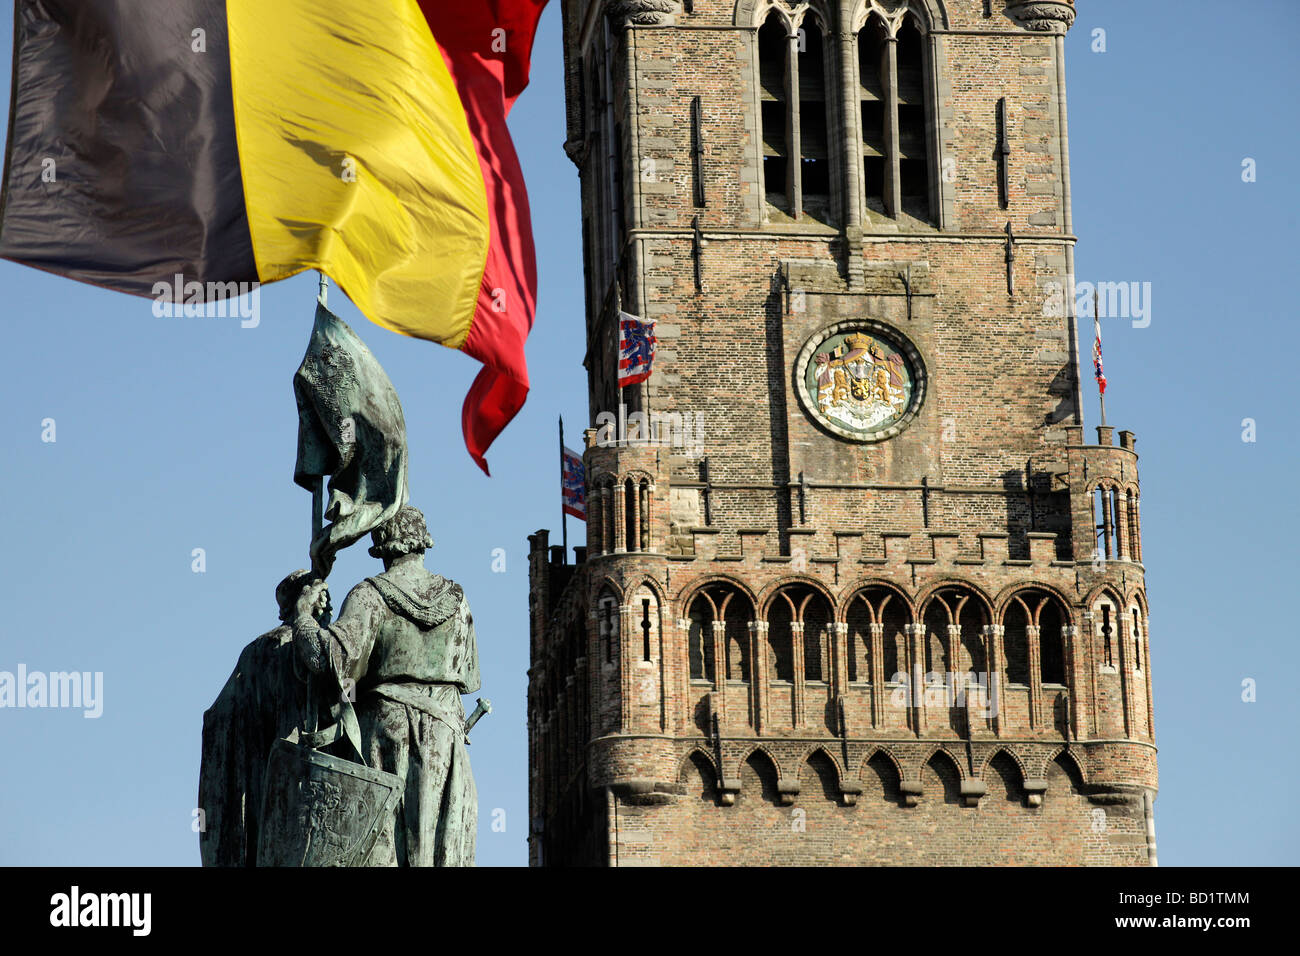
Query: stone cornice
(1042, 16)
(627, 13)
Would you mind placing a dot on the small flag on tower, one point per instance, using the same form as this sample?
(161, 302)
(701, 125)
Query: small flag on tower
(636, 349)
(573, 483)
(1098, 371)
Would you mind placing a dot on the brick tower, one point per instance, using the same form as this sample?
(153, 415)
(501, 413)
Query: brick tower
(855, 589)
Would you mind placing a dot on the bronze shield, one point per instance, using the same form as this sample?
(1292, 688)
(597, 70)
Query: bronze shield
(322, 810)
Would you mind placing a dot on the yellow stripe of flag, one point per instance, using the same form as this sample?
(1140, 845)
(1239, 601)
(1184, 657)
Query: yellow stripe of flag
(357, 158)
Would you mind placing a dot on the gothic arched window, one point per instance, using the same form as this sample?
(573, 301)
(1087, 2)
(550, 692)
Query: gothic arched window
(774, 73)
(1015, 642)
(962, 651)
(893, 76)
(913, 123)
(816, 617)
(873, 71)
(935, 660)
(1134, 534)
(1051, 638)
(1035, 616)
(707, 650)
(780, 638)
(799, 615)
(794, 113)
(814, 126)
(700, 639)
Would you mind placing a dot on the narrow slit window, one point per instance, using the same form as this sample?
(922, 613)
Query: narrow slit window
(1106, 634)
(697, 150)
(1137, 640)
(645, 628)
(607, 615)
(630, 535)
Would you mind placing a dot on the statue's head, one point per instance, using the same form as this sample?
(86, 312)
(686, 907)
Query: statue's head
(404, 533)
(287, 591)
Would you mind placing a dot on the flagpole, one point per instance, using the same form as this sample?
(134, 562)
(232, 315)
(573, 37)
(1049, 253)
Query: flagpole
(618, 339)
(1096, 321)
(564, 515)
(318, 490)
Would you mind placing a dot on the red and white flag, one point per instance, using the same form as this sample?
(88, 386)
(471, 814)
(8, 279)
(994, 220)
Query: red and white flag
(573, 483)
(1097, 369)
(636, 349)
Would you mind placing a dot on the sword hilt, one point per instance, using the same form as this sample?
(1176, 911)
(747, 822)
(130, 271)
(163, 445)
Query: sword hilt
(484, 707)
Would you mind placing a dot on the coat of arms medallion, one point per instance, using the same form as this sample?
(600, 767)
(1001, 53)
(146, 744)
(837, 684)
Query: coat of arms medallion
(860, 379)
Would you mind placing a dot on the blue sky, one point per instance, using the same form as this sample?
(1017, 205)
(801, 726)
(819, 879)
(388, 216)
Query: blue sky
(179, 433)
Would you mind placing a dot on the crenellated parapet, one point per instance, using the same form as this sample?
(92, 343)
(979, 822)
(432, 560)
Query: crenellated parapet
(845, 553)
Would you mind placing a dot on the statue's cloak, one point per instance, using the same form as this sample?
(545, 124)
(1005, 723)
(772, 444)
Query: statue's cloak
(407, 638)
(262, 701)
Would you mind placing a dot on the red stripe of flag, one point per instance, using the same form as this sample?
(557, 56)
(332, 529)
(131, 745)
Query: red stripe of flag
(487, 45)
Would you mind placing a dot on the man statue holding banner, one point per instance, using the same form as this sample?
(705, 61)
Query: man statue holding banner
(404, 641)
(343, 744)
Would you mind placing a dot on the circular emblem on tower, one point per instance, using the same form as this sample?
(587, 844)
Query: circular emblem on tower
(860, 379)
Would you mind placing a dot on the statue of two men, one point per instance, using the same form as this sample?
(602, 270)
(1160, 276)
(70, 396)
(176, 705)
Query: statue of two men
(404, 646)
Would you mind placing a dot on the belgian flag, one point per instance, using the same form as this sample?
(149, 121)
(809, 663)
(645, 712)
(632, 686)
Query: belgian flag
(232, 141)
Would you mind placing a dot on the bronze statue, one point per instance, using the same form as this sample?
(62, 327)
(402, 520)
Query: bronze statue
(264, 699)
(344, 744)
(406, 638)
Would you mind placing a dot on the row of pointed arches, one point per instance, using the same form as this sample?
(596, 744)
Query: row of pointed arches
(795, 625)
(878, 776)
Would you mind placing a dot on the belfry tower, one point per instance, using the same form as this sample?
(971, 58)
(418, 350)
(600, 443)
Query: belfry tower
(855, 587)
